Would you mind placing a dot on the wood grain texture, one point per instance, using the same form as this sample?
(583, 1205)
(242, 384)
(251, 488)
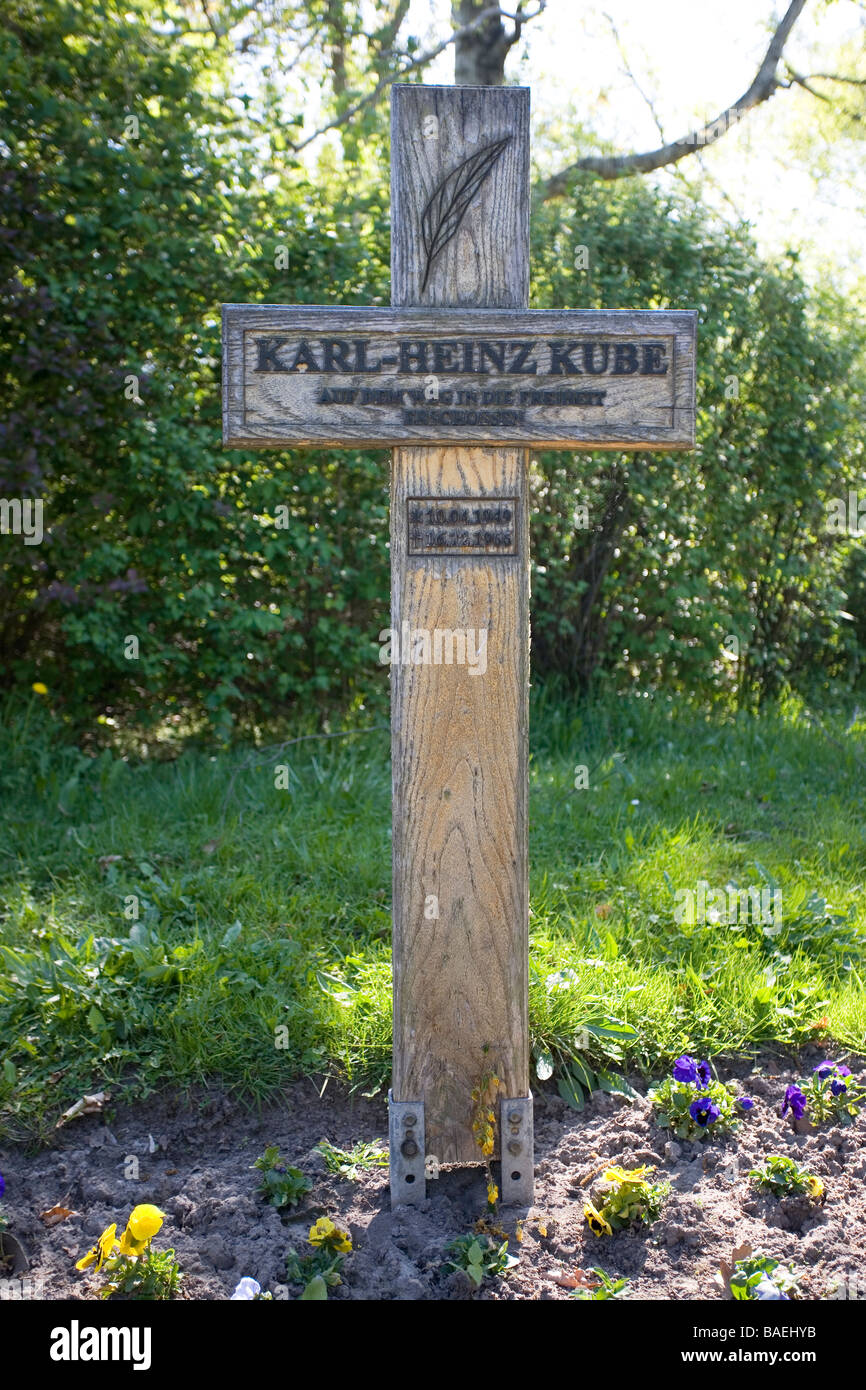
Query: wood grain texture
(433, 131)
(640, 409)
(459, 741)
(459, 750)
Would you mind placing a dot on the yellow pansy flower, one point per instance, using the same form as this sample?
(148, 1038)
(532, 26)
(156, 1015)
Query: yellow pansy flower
(633, 1175)
(342, 1242)
(39, 688)
(320, 1232)
(596, 1221)
(145, 1221)
(325, 1232)
(492, 1193)
(130, 1246)
(101, 1250)
(816, 1187)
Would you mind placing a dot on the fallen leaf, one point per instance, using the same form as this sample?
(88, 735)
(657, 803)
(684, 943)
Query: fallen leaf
(54, 1215)
(604, 909)
(88, 1105)
(106, 859)
(580, 1279)
(739, 1252)
(210, 846)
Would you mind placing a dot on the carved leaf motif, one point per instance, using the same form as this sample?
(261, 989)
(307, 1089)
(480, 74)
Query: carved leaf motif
(450, 199)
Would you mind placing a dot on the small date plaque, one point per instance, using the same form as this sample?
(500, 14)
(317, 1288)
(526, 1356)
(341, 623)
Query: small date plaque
(461, 525)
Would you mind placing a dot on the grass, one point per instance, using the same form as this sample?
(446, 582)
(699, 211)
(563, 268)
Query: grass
(261, 945)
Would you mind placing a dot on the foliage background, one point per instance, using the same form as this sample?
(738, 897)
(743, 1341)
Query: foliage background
(117, 251)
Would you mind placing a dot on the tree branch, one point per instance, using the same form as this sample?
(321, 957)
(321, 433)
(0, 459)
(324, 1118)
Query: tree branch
(797, 81)
(387, 35)
(764, 84)
(420, 61)
(630, 75)
(829, 77)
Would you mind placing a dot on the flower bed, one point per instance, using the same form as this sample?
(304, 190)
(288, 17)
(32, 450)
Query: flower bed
(196, 1165)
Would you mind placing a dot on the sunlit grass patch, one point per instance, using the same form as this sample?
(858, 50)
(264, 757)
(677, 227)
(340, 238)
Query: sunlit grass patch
(192, 921)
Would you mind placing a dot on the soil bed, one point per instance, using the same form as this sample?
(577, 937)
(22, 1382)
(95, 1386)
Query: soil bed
(200, 1174)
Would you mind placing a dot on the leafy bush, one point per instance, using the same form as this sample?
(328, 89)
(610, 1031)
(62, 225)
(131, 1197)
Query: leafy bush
(256, 584)
(126, 244)
(681, 551)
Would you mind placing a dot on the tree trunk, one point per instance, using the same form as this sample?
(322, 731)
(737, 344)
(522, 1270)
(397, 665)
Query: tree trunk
(479, 56)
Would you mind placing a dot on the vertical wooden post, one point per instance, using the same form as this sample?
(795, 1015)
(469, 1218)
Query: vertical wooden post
(460, 236)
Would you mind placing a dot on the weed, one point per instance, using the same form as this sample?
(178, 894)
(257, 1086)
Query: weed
(601, 1289)
(480, 1257)
(785, 1178)
(349, 1163)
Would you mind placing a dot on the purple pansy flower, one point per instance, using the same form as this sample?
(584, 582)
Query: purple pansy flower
(794, 1101)
(843, 1071)
(2, 1184)
(766, 1289)
(247, 1290)
(824, 1069)
(838, 1088)
(746, 1102)
(705, 1076)
(704, 1111)
(686, 1069)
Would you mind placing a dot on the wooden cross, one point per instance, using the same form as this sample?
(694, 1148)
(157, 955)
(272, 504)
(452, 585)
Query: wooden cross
(459, 377)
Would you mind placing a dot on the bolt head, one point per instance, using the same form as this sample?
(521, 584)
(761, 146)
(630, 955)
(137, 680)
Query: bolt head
(408, 1148)
(409, 1120)
(514, 1147)
(514, 1117)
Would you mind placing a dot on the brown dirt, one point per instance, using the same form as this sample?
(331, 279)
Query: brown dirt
(201, 1176)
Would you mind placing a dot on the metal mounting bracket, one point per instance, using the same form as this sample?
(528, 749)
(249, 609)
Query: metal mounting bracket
(518, 1162)
(406, 1150)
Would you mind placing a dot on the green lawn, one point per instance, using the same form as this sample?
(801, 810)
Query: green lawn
(262, 943)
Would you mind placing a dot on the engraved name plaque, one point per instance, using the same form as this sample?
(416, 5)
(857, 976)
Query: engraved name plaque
(594, 379)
